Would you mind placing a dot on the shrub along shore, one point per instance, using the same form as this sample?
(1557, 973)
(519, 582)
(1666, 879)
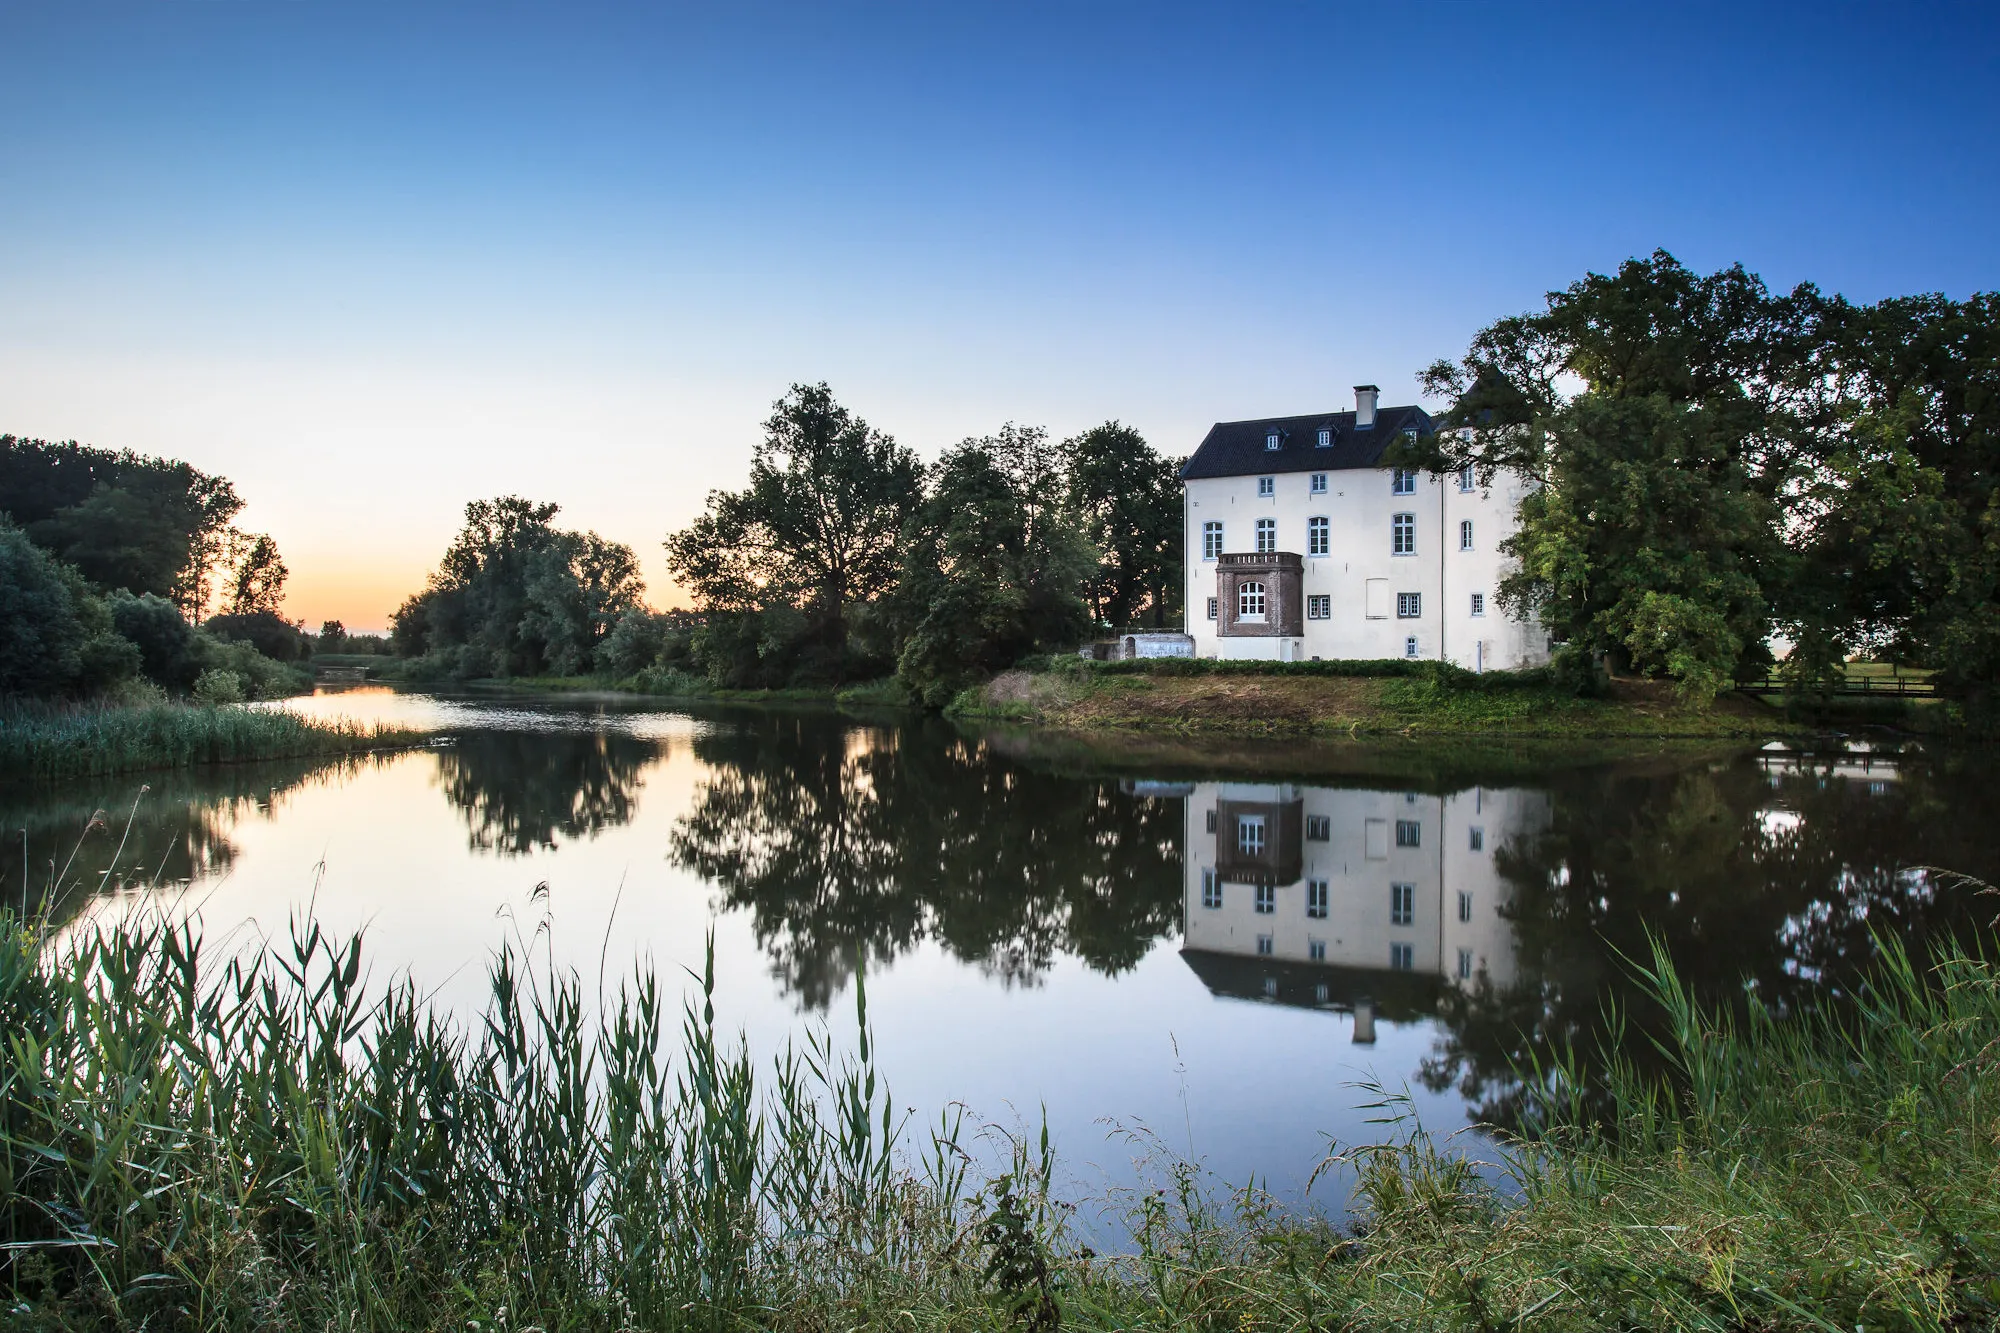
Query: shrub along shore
(258, 1142)
(93, 740)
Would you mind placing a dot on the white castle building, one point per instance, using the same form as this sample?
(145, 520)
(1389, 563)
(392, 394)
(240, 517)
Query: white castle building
(1349, 900)
(1302, 544)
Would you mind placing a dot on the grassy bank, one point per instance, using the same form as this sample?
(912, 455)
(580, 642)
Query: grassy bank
(50, 741)
(258, 1144)
(1350, 698)
(679, 685)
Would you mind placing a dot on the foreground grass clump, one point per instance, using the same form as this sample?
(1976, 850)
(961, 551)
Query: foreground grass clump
(256, 1144)
(86, 740)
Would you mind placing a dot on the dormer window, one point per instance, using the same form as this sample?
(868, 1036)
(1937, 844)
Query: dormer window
(1326, 439)
(1273, 441)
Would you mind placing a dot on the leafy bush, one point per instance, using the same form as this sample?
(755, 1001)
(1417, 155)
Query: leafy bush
(268, 632)
(218, 685)
(169, 648)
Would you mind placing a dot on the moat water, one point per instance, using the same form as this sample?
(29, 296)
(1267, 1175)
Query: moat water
(1218, 951)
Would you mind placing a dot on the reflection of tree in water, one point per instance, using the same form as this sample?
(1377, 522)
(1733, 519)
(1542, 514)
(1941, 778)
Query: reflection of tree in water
(521, 790)
(1772, 888)
(99, 836)
(842, 842)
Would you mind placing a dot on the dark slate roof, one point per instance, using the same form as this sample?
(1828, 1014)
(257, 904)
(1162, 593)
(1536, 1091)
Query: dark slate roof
(1398, 996)
(1236, 448)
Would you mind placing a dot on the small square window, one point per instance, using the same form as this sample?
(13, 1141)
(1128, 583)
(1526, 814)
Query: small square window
(1326, 439)
(1479, 604)
(1211, 608)
(1476, 838)
(1402, 904)
(1319, 828)
(1403, 534)
(1402, 481)
(1464, 906)
(1409, 606)
(1267, 486)
(1465, 964)
(1409, 833)
(1316, 899)
(1211, 540)
(1319, 483)
(1319, 536)
(1267, 536)
(1402, 957)
(1465, 535)
(1319, 606)
(1264, 951)
(1267, 900)
(1410, 648)
(1211, 889)
(1273, 441)
(1316, 951)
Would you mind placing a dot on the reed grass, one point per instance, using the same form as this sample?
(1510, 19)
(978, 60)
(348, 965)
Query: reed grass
(92, 740)
(254, 1142)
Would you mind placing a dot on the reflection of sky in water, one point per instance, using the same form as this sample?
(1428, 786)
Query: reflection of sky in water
(979, 887)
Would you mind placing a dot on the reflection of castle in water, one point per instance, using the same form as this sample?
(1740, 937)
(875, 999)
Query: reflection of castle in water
(1361, 901)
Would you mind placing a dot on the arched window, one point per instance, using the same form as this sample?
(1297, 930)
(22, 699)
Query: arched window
(1250, 602)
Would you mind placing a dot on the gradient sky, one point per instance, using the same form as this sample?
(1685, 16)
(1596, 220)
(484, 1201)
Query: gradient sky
(373, 261)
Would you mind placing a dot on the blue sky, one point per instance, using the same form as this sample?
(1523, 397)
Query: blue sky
(375, 261)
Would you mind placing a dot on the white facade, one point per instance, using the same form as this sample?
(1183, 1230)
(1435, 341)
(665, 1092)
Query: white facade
(1396, 564)
(1354, 882)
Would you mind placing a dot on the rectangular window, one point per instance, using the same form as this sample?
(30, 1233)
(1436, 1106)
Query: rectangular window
(1403, 534)
(1319, 606)
(1319, 828)
(1409, 833)
(1479, 604)
(1402, 481)
(1211, 608)
(1273, 440)
(1267, 535)
(1211, 540)
(1267, 900)
(1402, 904)
(1319, 483)
(1250, 601)
(1465, 477)
(1264, 951)
(1316, 899)
(1477, 838)
(1316, 951)
(1250, 834)
(1319, 537)
(1319, 991)
(1464, 906)
(1211, 889)
(1465, 964)
(1326, 439)
(1410, 648)
(1211, 821)
(1465, 535)
(1267, 485)
(1409, 606)
(1403, 957)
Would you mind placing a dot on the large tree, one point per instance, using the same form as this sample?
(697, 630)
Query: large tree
(1127, 499)
(991, 569)
(1665, 417)
(811, 539)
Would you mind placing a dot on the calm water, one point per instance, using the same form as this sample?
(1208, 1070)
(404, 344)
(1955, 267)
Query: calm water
(1216, 945)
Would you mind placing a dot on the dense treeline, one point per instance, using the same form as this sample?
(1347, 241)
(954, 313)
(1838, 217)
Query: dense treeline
(844, 559)
(1719, 465)
(124, 576)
